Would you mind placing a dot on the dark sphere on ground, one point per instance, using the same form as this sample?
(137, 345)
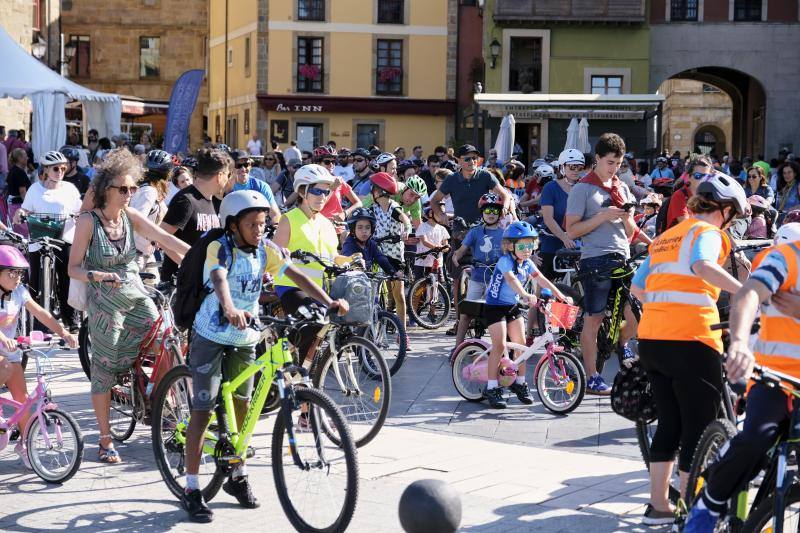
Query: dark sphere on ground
(430, 506)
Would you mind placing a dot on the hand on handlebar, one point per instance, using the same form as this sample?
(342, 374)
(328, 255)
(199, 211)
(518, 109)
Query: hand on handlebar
(568, 243)
(10, 345)
(71, 340)
(238, 318)
(399, 275)
(740, 361)
(532, 300)
(341, 306)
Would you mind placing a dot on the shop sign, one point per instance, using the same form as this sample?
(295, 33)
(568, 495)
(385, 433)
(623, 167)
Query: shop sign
(530, 113)
(299, 108)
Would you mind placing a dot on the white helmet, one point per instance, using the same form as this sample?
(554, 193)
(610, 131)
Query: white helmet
(381, 161)
(311, 174)
(238, 203)
(722, 188)
(788, 233)
(569, 156)
(544, 171)
(53, 158)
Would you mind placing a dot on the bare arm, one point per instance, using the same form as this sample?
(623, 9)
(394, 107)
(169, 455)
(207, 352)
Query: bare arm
(555, 229)
(717, 276)
(504, 194)
(173, 246)
(274, 212)
(355, 202)
(88, 200)
(578, 228)
(436, 209)
(52, 324)
(458, 254)
(283, 233)
(237, 317)
(744, 306)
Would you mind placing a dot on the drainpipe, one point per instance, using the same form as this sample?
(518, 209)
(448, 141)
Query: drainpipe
(225, 66)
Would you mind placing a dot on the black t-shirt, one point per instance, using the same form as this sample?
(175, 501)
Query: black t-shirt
(430, 180)
(17, 178)
(79, 180)
(465, 193)
(193, 215)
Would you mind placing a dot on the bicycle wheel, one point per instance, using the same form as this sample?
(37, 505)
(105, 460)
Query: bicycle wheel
(55, 450)
(171, 407)
(470, 390)
(644, 437)
(561, 382)
(362, 396)
(85, 348)
(760, 520)
(389, 335)
(428, 304)
(320, 495)
(716, 434)
(126, 406)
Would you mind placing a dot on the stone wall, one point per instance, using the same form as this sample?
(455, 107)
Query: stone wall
(16, 18)
(687, 108)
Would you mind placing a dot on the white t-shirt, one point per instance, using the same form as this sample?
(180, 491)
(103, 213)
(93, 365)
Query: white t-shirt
(9, 315)
(146, 202)
(63, 200)
(292, 152)
(254, 147)
(172, 190)
(436, 234)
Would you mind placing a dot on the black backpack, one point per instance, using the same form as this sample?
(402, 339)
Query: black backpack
(190, 289)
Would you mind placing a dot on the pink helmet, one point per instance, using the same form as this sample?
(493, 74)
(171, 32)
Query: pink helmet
(10, 257)
(758, 201)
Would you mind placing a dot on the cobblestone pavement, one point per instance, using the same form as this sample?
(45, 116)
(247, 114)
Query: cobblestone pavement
(522, 469)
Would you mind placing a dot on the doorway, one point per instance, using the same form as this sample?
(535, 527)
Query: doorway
(528, 142)
(308, 135)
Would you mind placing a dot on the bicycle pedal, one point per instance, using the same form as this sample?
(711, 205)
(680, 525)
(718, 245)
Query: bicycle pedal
(231, 459)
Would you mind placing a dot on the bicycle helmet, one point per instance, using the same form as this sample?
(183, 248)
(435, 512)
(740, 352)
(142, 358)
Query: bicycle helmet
(361, 152)
(520, 230)
(383, 181)
(311, 174)
(361, 213)
(537, 163)
(52, 158)
(10, 257)
(224, 147)
(651, 199)
(322, 151)
(792, 216)
(549, 158)
(758, 201)
(159, 161)
(724, 189)
(343, 152)
(239, 203)
(417, 184)
(571, 156)
(663, 183)
(189, 162)
(788, 233)
(382, 160)
(544, 172)
(404, 165)
(490, 199)
(661, 160)
(72, 154)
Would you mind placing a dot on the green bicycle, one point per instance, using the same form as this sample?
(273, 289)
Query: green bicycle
(313, 458)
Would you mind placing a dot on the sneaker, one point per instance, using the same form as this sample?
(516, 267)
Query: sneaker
(452, 331)
(22, 451)
(195, 505)
(598, 386)
(495, 397)
(240, 489)
(523, 392)
(700, 521)
(657, 518)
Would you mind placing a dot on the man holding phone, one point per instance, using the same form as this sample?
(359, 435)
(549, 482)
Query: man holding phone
(600, 212)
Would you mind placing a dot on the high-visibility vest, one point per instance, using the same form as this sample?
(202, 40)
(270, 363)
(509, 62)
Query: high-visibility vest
(317, 236)
(778, 344)
(679, 305)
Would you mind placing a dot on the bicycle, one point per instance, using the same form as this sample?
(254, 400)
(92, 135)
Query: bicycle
(559, 376)
(299, 450)
(386, 330)
(428, 298)
(53, 438)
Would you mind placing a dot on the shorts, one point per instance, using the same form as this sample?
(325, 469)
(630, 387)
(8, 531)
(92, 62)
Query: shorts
(597, 288)
(14, 357)
(476, 290)
(497, 313)
(206, 359)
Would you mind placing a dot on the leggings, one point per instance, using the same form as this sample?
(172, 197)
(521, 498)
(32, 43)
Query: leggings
(292, 300)
(686, 377)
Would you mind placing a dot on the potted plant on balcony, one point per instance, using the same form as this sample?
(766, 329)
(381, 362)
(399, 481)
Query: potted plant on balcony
(389, 74)
(309, 72)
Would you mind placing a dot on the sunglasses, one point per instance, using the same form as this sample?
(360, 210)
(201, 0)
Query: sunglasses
(701, 175)
(328, 162)
(359, 159)
(269, 159)
(575, 167)
(521, 247)
(59, 168)
(469, 159)
(242, 165)
(316, 191)
(492, 211)
(754, 175)
(125, 189)
(306, 158)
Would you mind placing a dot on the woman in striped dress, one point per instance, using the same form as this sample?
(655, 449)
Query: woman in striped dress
(120, 313)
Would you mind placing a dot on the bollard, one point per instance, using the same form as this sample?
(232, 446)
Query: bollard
(430, 506)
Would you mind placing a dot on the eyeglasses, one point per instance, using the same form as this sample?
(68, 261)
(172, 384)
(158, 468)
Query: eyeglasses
(316, 191)
(754, 176)
(59, 168)
(521, 247)
(125, 190)
(242, 165)
(491, 210)
(469, 159)
(15, 273)
(328, 162)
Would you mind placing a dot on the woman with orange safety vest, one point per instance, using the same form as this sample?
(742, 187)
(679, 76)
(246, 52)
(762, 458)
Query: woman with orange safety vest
(679, 285)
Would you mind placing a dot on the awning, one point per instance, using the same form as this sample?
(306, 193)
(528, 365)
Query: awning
(567, 106)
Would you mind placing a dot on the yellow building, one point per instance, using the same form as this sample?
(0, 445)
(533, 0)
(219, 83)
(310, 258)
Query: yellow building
(357, 72)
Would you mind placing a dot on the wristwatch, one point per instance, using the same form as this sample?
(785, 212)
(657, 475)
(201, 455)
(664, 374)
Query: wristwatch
(90, 275)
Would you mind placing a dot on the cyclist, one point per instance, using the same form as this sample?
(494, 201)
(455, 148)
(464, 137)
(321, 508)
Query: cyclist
(362, 226)
(235, 265)
(13, 267)
(150, 201)
(430, 235)
(661, 170)
(697, 168)
(543, 175)
(502, 311)
(74, 174)
(243, 181)
(646, 221)
(679, 284)
(360, 183)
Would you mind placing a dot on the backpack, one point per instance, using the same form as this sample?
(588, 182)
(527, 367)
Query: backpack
(190, 288)
(356, 288)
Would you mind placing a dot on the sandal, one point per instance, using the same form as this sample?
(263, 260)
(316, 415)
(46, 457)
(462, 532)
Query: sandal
(108, 455)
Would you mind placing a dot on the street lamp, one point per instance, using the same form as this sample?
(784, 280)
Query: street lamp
(494, 51)
(39, 48)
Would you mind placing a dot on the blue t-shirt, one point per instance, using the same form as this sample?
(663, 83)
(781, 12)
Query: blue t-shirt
(706, 248)
(486, 246)
(499, 291)
(555, 196)
(254, 184)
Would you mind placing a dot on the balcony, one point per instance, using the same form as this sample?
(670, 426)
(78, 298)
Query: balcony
(570, 11)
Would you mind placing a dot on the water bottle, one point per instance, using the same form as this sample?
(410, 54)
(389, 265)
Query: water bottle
(148, 389)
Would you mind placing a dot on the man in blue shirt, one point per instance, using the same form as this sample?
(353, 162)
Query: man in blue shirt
(243, 181)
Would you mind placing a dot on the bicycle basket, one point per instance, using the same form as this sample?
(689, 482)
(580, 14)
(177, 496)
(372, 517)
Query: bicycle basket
(46, 225)
(563, 315)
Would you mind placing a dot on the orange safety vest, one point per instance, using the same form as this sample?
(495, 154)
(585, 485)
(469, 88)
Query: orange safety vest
(778, 344)
(679, 305)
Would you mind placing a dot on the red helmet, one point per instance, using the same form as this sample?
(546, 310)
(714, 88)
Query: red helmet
(384, 181)
(662, 182)
(792, 216)
(490, 198)
(322, 151)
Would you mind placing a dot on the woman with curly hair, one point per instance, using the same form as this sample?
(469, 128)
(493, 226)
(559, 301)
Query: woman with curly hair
(120, 314)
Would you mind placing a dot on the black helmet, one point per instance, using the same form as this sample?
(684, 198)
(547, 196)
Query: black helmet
(72, 154)
(189, 162)
(159, 160)
(361, 152)
(361, 213)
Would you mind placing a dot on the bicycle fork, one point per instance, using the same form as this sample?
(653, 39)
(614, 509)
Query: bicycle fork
(291, 401)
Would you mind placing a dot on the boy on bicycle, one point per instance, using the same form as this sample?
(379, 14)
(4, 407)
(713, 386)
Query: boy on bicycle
(430, 235)
(235, 265)
(362, 227)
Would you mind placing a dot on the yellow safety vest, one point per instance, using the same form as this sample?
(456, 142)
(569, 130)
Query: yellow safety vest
(317, 236)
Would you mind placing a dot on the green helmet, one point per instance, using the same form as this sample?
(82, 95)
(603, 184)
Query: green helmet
(417, 184)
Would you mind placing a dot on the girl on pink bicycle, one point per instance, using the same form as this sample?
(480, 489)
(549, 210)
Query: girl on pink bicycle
(13, 297)
(502, 311)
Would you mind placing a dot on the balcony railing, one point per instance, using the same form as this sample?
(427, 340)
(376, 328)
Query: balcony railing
(624, 11)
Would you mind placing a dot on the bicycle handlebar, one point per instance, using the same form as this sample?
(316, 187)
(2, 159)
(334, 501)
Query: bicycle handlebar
(330, 268)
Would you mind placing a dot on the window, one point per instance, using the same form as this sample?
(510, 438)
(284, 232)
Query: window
(683, 10)
(247, 56)
(79, 66)
(232, 131)
(246, 121)
(525, 64)
(37, 15)
(368, 134)
(310, 69)
(217, 138)
(391, 12)
(389, 68)
(149, 58)
(311, 10)
(710, 89)
(606, 84)
(747, 10)
(308, 135)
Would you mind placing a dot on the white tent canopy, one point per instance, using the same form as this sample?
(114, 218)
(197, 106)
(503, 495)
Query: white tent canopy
(22, 75)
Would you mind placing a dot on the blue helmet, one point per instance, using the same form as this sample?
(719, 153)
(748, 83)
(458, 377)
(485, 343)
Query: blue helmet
(520, 230)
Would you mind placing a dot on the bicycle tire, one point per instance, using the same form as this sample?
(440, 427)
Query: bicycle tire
(167, 417)
(577, 382)
(644, 430)
(761, 517)
(465, 355)
(85, 348)
(716, 434)
(388, 325)
(348, 402)
(322, 406)
(67, 468)
(426, 320)
(124, 399)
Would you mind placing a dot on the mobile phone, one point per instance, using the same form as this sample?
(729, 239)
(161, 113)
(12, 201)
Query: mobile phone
(628, 206)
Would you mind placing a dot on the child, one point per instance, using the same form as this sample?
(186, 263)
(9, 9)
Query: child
(362, 226)
(13, 267)
(759, 226)
(646, 221)
(431, 235)
(502, 311)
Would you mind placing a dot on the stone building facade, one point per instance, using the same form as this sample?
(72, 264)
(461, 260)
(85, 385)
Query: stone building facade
(696, 116)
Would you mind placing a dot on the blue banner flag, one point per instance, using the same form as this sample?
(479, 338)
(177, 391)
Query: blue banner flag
(181, 106)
